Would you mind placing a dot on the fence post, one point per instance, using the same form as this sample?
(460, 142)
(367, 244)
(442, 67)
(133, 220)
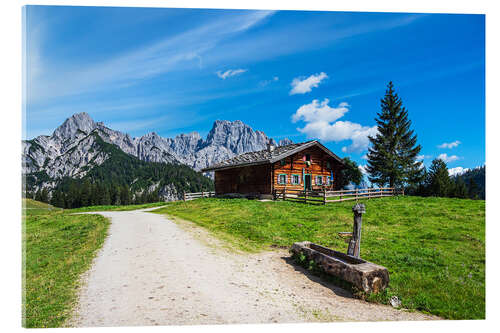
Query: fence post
(284, 194)
(324, 196)
(356, 194)
(403, 192)
(184, 196)
(341, 195)
(305, 196)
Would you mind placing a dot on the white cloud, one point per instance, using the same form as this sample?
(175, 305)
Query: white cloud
(448, 159)
(321, 122)
(265, 83)
(130, 66)
(449, 145)
(230, 73)
(301, 85)
(457, 171)
(320, 112)
(422, 157)
(362, 168)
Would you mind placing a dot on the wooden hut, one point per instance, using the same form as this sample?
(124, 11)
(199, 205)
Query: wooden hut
(299, 166)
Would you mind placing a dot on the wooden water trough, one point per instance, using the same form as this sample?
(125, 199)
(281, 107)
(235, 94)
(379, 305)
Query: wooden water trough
(365, 275)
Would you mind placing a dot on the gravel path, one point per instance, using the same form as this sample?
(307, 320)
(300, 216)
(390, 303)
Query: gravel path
(152, 271)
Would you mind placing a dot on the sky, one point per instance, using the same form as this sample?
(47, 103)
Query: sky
(300, 75)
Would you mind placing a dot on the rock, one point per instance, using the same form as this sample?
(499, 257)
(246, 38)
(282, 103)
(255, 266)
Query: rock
(77, 136)
(395, 302)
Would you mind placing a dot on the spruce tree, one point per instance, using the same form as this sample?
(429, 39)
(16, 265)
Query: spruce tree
(460, 188)
(392, 157)
(440, 184)
(350, 173)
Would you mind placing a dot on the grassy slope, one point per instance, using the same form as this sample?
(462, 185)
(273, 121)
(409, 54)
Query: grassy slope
(57, 249)
(434, 248)
(114, 208)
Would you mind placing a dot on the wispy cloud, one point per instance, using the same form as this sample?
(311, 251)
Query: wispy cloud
(448, 159)
(449, 145)
(423, 157)
(265, 83)
(230, 73)
(302, 85)
(322, 123)
(174, 53)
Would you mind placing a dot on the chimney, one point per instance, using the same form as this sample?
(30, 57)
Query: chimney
(270, 147)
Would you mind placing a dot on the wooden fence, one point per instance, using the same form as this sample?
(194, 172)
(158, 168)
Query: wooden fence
(197, 195)
(323, 197)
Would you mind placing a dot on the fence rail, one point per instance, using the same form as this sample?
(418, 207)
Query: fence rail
(197, 195)
(323, 197)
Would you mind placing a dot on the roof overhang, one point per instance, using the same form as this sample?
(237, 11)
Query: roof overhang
(225, 167)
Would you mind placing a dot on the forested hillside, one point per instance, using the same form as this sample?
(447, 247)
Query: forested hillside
(475, 181)
(120, 179)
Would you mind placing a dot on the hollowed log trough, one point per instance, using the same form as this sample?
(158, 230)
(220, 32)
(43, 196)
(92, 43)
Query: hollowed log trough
(365, 275)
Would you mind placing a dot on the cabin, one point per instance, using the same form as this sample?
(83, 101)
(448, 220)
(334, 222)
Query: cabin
(299, 166)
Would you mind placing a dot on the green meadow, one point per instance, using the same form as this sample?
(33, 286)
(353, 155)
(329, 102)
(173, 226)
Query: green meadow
(57, 249)
(434, 248)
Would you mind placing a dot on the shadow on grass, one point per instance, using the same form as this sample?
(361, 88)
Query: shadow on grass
(318, 278)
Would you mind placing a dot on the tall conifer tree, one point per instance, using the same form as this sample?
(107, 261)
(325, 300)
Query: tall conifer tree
(392, 157)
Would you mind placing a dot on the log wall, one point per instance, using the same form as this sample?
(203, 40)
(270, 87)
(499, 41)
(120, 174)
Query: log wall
(264, 178)
(249, 179)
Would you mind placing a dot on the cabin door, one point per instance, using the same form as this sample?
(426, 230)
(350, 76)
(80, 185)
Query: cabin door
(307, 182)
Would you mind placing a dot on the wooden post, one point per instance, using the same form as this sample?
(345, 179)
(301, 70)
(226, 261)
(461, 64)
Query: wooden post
(356, 194)
(324, 196)
(184, 196)
(284, 194)
(202, 195)
(305, 196)
(354, 248)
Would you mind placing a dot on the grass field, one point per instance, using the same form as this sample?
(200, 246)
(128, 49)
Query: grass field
(57, 249)
(434, 248)
(114, 208)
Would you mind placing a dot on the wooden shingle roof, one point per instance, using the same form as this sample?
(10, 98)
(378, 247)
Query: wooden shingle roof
(266, 156)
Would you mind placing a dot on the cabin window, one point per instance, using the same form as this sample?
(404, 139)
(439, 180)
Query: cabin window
(296, 179)
(282, 179)
(308, 157)
(319, 180)
(328, 165)
(282, 162)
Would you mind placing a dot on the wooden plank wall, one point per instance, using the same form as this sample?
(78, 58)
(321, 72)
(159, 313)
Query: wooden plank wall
(296, 165)
(250, 179)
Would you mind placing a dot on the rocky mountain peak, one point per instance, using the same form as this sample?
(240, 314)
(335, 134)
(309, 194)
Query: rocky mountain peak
(69, 151)
(77, 122)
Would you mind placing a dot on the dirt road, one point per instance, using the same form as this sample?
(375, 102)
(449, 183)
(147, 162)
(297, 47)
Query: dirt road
(151, 271)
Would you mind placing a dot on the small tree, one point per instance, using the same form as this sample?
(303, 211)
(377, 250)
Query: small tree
(460, 189)
(350, 173)
(439, 182)
(392, 157)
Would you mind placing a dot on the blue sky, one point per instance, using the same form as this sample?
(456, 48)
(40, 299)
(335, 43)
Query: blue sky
(295, 74)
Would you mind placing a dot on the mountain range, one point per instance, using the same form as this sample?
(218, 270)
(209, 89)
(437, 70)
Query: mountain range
(79, 145)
